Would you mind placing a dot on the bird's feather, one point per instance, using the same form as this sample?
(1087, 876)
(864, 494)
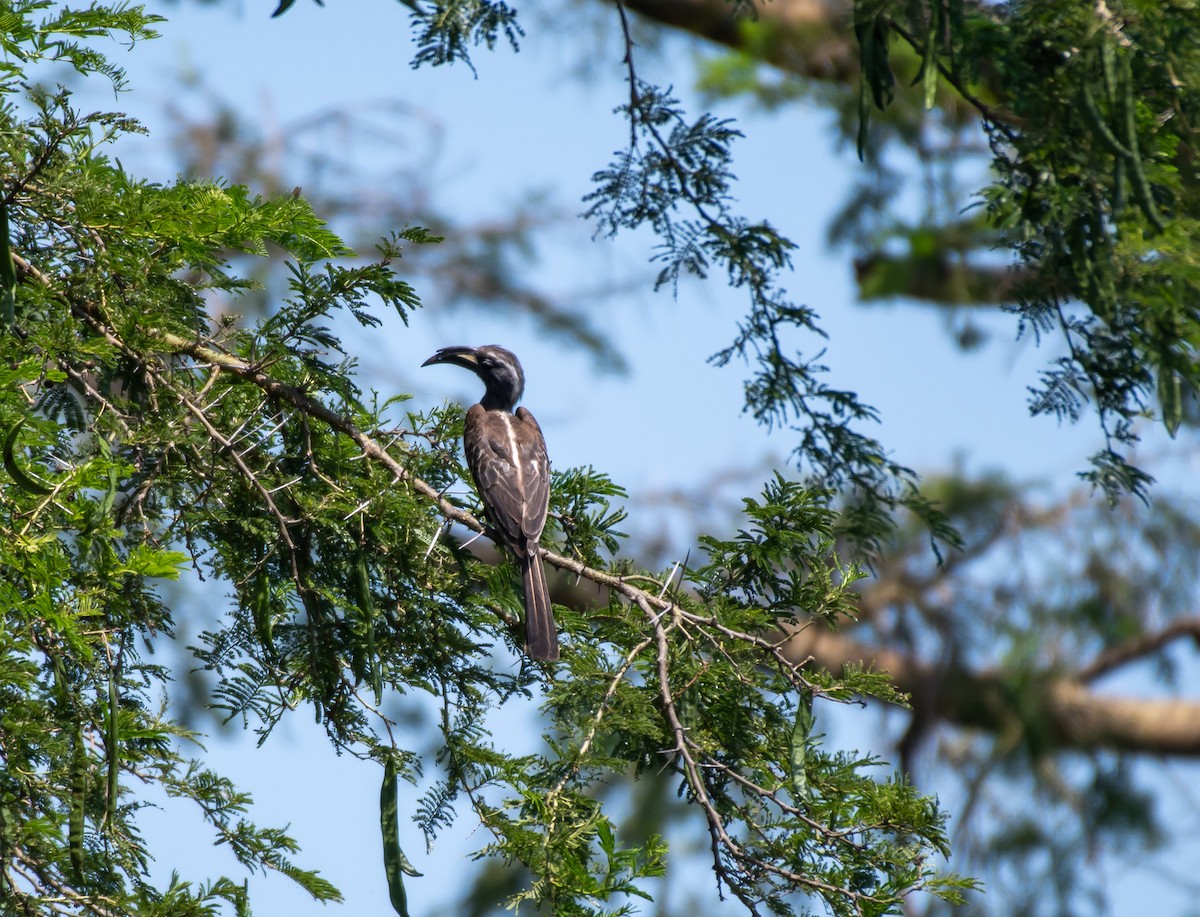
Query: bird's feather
(507, 457)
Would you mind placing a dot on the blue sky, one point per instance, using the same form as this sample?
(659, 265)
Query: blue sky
(527, 122)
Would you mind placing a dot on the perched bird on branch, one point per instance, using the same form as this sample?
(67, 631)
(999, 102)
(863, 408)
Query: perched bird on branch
(507, 457)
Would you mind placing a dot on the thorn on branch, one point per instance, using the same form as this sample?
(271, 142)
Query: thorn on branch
(442, 528)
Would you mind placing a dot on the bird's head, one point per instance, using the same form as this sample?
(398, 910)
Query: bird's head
(499, 369)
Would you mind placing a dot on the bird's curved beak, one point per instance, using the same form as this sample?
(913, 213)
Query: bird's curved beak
(459, 356)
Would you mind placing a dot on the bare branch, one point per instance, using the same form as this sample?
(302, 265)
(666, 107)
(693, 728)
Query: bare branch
(1072, 715)
(1138, 648)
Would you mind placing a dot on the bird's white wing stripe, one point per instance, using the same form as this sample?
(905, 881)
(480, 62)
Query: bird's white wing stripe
(514, 453)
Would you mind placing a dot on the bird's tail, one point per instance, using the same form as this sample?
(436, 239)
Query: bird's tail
(541, 635)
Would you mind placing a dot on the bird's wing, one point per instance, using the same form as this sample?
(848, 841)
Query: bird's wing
(507, 458)
(536, 473)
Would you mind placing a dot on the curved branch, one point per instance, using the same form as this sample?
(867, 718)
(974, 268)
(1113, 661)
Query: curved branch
(804, 35)
(1140, 647)
(1067, 713)
(809, 38)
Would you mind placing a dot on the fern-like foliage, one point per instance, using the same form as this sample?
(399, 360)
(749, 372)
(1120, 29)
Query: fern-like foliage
(675, 176)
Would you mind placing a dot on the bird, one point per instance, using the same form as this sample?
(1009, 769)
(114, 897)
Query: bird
(506, 454)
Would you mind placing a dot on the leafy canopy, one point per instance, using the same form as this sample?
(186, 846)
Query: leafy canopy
(1089, 112)
(143, 435)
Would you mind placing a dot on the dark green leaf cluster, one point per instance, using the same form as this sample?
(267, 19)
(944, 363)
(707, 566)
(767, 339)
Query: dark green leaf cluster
(678, 164)
(1090, 113)
(583, 510)
(675, 176)
(446, 30)
(770, 564)
(1103, 219)
(39, 32)
(79, 725)
(115, 460)
(699, 690)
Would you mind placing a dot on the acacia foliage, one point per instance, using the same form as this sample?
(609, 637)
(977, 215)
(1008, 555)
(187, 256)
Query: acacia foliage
(1090, 115)
(1040, 156)
(142, 435)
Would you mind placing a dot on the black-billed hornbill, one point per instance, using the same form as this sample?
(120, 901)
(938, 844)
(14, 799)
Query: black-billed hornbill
(507, 457)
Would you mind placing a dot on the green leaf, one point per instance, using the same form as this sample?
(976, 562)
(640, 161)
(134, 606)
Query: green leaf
(23, 481)
(1170, 396)
(1137, 172)
(112, 746)
(110, 493)
(801, 734)
(147, 560)
(366, 605)
(8, 274)
(241, 900)
(260, 609)
(864, 119)
(873, 37)
(876, 77)
(929, 65)
(394, 860)
(78, 776)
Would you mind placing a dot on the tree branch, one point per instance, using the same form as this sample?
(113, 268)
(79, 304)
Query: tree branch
(1068, 714)
(1138, 648)
(804, 34)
